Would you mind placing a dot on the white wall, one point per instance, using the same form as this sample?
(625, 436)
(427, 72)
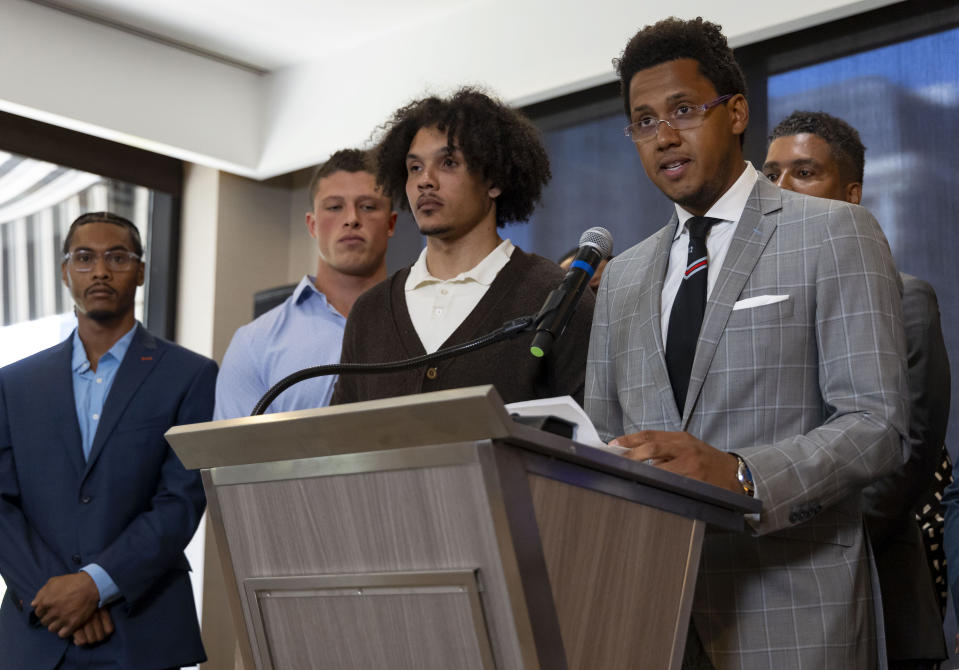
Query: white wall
(113, 84)
(82, 75)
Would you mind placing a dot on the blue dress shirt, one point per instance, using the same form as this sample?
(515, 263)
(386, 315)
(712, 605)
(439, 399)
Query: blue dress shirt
(90, 390)
(302, 332)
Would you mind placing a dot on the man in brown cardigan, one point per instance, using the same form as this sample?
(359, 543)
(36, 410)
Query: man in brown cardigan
(467, 165)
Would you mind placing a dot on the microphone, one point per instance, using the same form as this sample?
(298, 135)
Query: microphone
(594, 245)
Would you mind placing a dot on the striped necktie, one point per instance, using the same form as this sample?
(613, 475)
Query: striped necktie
(686, 318)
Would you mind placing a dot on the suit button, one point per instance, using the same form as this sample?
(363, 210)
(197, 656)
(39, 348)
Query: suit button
(85, 500)
(76, 559)
(431, 373)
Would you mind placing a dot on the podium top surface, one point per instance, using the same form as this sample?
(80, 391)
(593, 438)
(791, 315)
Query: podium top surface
(438, 418)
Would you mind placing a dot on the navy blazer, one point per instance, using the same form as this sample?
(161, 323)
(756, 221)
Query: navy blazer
(131, 508)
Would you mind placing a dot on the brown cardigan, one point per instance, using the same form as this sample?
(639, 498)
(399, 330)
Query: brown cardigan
(379, 329)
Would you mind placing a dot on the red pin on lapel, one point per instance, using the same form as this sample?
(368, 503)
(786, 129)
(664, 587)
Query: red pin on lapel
(146, 358)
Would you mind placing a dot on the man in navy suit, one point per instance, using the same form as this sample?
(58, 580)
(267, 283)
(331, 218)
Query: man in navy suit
(95, 507)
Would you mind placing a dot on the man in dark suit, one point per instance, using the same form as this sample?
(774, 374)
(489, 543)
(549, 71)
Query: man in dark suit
(95, 508)
(818, 154)
(755, 343)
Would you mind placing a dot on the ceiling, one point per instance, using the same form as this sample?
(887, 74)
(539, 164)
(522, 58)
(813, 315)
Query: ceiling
(263, 36)
(260, 88)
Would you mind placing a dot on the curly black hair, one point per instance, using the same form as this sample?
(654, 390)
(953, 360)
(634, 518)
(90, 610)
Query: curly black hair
(105, 217)
(844, 144)
(345, 160)
(672, 39)
(497, 143)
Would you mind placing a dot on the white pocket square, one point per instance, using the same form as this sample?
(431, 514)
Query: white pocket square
(757, 301)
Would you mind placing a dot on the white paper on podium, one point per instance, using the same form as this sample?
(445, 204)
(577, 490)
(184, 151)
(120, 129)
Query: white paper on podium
(566, 408)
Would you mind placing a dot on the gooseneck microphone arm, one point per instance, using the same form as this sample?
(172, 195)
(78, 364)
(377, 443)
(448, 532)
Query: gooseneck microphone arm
(508, 330)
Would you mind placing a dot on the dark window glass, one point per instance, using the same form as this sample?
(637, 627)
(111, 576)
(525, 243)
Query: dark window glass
(903, 99)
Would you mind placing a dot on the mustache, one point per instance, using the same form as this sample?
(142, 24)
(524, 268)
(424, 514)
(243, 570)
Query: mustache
(427, 197)
(98, 287)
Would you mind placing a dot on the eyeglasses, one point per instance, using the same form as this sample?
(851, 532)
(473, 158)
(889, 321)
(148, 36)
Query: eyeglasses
(115, 260)
(684, 117)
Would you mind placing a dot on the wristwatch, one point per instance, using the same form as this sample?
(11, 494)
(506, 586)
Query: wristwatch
(745, 477)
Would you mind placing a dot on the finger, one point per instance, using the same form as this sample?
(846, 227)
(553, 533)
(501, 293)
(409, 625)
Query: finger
(95, 629)
(634, 439)
(642, 453)
(80, 637)
(107, 622)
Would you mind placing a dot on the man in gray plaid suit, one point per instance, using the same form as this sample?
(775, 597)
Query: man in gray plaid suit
(795, 380)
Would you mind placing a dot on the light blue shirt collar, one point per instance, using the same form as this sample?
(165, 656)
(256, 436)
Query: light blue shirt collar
(81, 364)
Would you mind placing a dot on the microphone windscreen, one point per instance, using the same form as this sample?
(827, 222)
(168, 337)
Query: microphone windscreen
(600, 238)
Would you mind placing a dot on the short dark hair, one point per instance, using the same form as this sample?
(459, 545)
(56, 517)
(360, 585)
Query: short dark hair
(844, 144)
(105, 217)
(672, 39)
(497, 142)
(345, 160)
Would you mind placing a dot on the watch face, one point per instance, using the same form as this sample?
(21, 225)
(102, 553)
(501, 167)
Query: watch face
(745, 477)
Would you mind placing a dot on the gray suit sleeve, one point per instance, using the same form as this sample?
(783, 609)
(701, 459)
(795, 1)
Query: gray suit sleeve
(889, 502)
(861, 375)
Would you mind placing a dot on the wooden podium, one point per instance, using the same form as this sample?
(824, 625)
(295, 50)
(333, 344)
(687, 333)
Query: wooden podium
(433, 532)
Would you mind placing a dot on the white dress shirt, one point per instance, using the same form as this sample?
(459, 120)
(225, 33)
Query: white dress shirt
(729, 209)
(437, 307)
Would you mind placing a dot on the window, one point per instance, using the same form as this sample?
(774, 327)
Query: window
(38, 202)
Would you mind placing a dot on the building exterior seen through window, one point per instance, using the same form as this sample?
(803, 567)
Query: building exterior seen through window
(903, 99)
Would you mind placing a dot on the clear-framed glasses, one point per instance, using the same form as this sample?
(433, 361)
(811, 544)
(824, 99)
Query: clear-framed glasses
(684, 117)
(115, 260)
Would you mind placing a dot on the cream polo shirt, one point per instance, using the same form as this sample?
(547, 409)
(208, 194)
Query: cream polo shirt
(437, 307)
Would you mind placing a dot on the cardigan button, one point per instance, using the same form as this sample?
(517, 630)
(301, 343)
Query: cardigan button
(431, 373)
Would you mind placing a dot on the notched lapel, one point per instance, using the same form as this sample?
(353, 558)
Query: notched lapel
(657, 363)
(139, 362)
(753, 232)
(63, 407)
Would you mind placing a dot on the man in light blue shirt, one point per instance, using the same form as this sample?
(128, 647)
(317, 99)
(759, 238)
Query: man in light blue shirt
(351, 221)
(95, 507)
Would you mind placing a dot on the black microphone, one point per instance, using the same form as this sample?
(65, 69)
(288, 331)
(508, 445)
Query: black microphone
(594, 245)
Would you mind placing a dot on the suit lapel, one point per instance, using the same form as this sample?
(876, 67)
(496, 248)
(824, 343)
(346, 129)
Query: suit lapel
(653, 316)
(752, 234)
(140, 360)
(63, 407)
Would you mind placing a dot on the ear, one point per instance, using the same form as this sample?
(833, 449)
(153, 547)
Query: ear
(392, 224)
(140, 273)
(739, 113)
(854, 192)
(494, 192)
(311, 224)
(64, 275)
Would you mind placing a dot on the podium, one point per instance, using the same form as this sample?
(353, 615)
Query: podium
(432, 532)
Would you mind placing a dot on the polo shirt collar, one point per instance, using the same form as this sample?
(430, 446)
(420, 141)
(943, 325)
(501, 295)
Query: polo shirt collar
(482, 273)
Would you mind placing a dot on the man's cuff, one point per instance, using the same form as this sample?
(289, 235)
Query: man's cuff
(106, 586)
